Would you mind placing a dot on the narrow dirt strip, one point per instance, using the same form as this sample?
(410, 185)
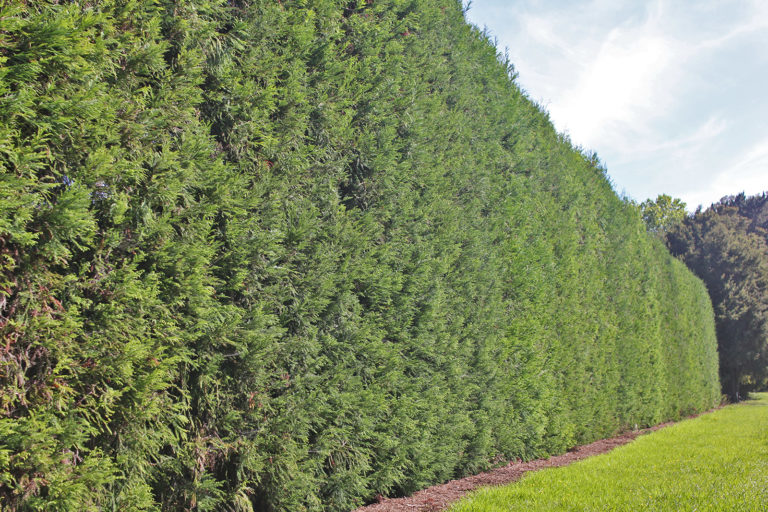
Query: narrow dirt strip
(439, 497)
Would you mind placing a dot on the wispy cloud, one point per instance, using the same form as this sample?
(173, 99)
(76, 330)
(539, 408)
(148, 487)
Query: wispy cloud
(746, 173)
(621, 85)
(682, 145)
(756, 22)
(593, 77)
(666, 92)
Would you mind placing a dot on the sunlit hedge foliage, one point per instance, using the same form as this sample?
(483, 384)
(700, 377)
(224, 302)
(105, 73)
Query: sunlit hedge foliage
(290, 254)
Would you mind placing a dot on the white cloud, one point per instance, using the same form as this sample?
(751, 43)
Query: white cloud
(747, 173)
(598, 81)
(665, 92)
(544, 31)
(757, 21)
(622, 85)
(683, 147)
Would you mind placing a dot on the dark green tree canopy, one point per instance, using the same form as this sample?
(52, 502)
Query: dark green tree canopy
(726, 246)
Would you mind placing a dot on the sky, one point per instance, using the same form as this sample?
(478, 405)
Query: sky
(671, 95)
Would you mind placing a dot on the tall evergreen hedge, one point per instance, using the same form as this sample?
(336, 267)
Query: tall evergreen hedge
(289, 254)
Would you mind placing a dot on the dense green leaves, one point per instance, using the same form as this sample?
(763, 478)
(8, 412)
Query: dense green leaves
(662, 214)
(290, 255)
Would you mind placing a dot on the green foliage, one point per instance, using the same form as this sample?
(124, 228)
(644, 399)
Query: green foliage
(662, 214)
(727, 246)
(289, 255)
(714, 462)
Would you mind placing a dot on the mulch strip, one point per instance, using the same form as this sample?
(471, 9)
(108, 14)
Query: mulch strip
(439, 497)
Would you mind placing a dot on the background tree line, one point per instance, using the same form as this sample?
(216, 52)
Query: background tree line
(726, 245)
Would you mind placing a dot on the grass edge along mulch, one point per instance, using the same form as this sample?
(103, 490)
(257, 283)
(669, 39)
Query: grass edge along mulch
(714, 463)
(439, 497)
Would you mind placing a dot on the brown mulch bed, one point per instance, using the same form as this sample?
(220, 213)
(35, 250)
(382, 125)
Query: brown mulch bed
(438, 497)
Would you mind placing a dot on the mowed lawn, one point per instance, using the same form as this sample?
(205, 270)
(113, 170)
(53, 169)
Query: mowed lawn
(717, 462)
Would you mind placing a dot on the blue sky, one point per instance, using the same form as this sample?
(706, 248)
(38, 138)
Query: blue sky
(672, 95)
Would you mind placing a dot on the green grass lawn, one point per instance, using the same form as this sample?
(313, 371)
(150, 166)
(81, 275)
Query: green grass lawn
(717, 462)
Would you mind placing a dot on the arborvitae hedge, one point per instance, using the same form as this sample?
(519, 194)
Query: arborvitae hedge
(289, 254)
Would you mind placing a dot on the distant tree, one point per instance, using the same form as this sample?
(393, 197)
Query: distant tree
(728, 251)
(663, 213)
(755, 208)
